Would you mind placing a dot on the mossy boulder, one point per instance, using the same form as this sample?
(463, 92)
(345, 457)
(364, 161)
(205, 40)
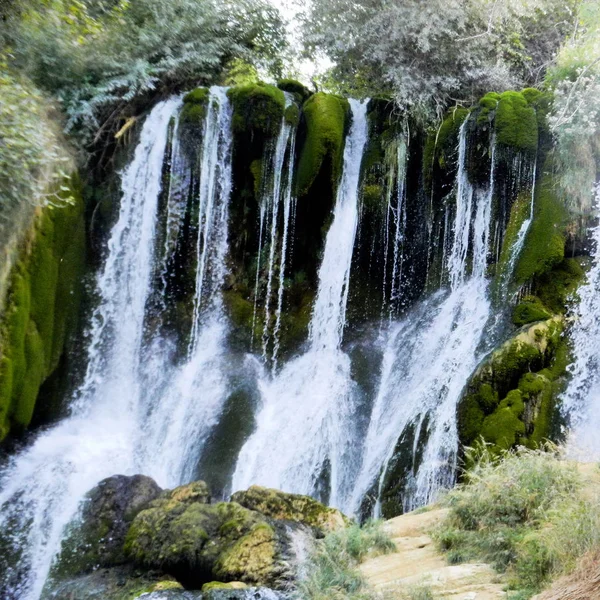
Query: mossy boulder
(516, 123)
(257, 108)
(96, 539)
(544, 245)
(219, 585)
(291, 507)
(300, 91)
(511, 397)
(196, 542)
(194, 107)
(326, 118)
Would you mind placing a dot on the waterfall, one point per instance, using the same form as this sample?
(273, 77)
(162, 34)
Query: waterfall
(183, 410)
(43, 485)
(303, 428)
(281, 191)
(581, 399)
(429, 357)
(135, 411)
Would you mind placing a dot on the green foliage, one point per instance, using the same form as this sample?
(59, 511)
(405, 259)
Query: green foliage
(432, 55)
(524, 512)
(326, 117)
(332, 572)
(34, 156)
(257, 108)
(96, 63)
(574, 78)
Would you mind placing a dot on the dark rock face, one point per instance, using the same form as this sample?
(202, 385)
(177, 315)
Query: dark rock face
(98, 538)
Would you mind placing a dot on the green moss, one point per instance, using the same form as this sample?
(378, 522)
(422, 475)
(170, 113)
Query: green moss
(35, 366)
(516, 123)
(194, 107)
(487, 107)
(292, 86)
(6, 386)
(257, 108)
(503, 428)
(545, 241)
(326, 117)
(557, 286)
(529, 310)
(519, 212)
(292, 115)
(373, 197)
(42, 306)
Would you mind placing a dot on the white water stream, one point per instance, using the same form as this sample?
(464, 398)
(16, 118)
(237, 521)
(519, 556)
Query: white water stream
(304, 426)
(121, 419)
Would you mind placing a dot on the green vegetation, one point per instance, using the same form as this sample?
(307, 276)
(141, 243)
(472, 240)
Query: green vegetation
(510, 399)
(332, 572)
(529, 310)
(523, 511)
(42, 306)
(326, 117)
(516, 123)
(545, 241)
(257, 108)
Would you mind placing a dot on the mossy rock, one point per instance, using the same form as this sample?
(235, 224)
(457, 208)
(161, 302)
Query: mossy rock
(545, 241)
(180, 534)
(529, 310)
(291, 507)
(194, 107)
(292, 86)
(257, 108)
(96, 539)
(557, 287)
(326, 116)
(516, 123)
(500, 392)
(219, 585)
(41, 310)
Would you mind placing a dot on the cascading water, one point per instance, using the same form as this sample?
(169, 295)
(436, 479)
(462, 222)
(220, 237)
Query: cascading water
(133, 412)
(304, 427)
(428, 358)
(42, 486)
(189, 403)
(581, 400)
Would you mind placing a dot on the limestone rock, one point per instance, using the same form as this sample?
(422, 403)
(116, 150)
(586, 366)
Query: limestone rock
(291, 507)
(198, 542)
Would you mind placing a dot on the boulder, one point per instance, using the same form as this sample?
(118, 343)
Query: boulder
(291, 507)
(96, 539)
(196, 542)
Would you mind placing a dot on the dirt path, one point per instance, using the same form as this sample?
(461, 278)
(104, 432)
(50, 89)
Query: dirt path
(417, 563)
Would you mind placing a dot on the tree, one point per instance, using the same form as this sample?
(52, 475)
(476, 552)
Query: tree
(431, 54)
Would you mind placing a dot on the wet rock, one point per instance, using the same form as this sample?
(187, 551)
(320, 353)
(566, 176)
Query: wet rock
(97, 538)
(117, 583)
(198, 542)
(291, 507)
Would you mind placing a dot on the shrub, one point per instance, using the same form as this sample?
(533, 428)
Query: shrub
(332, 570)
(524, 512)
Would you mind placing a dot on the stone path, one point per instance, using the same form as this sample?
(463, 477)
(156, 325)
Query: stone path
(417, 563)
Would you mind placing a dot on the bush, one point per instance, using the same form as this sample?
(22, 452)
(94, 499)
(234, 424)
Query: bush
(524, 512)
(332, 569)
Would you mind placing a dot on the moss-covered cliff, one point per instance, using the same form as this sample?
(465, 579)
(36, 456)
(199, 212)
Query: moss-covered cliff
(42, 306)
